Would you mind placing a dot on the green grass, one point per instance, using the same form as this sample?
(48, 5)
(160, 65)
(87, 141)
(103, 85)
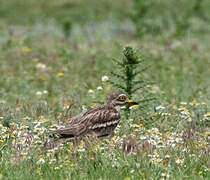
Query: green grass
(35, 57)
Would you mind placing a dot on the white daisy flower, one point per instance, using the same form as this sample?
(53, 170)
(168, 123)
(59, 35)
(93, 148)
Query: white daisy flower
(38, 93)
(160, 107)
(104, 78)
(99, 88)
(90, 91)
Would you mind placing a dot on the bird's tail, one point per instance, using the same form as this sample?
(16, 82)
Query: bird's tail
(70, 132)
(62, 133)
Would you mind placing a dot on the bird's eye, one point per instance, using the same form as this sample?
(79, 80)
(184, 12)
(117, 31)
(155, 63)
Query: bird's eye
(122, 98)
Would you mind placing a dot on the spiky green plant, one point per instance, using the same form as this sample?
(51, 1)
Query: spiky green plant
(129, 79)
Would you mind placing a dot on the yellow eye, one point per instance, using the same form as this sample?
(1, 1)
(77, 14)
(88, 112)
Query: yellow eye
(122, 98)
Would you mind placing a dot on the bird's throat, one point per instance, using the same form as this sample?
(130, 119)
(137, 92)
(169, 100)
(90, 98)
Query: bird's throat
(118, 108)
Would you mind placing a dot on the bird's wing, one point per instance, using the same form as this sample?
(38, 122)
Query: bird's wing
(103, 117)
(91, 119)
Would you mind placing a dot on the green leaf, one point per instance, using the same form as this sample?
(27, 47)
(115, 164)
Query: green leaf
(118, 75)
(117, 85)
(117, 62)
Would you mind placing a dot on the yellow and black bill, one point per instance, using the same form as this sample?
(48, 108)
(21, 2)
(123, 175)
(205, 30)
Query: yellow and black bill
(131, 102)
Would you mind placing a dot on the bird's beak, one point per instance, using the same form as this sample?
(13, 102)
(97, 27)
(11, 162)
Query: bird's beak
(131, 102)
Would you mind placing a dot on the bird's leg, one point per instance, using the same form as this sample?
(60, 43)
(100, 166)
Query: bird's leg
(95, 136)
(77, 139)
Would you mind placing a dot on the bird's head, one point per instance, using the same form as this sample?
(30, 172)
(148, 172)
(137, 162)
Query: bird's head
(119, 100)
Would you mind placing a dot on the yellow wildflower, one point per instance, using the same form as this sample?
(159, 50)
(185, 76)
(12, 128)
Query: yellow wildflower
(26, 49)
(27, 117)
(127, 178)
(38, 170)
(208, 114)
(43, 78)
(204, 103)
(24, 156)
(53, 125)
(56, 168)
(94, 105)
(134, 125)
(158, 160)
(170, 68)
(35, 59)
(164, 174)
(67, 161)
(134, 106)
(81, 147)
(60, 74)
(98, 147)
(206, 133)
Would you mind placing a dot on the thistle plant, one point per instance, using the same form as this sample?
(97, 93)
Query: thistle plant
(129, 79)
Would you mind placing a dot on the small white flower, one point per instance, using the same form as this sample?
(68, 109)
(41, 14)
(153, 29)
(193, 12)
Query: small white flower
(160, 107)
(38, 93)
(132, 171)
(81, 150)
(99, 88)
(167, 156)
(2, 101)
(179, 161)
(45, 92)
(183, 103)
(84, 108)
(164, 174)
(104, 78)
(142, 137)
(90, 91)
(165, 114)
(66, 106)
(181, 108)
(185, 112)
(41, 66)
(41, 161)
(134, 107)
(206, 116)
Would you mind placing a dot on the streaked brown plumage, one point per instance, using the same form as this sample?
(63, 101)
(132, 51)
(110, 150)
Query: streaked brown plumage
(99, 121)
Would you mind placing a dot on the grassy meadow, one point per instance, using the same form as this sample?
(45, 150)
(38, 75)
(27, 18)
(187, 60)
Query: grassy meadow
(55, 59)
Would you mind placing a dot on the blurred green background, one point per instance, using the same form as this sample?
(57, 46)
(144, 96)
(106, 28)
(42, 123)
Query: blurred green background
(173, 36)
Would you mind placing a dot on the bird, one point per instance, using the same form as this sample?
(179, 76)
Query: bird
(99, 121)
